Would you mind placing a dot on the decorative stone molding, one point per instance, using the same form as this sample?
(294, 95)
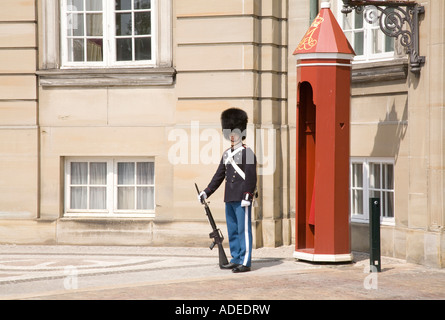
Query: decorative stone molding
(380, 71)
(107, 77)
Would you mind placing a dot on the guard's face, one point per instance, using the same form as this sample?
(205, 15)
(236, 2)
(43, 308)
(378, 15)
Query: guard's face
(235, 137)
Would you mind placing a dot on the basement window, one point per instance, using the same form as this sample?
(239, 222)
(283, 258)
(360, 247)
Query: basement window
(115, 187)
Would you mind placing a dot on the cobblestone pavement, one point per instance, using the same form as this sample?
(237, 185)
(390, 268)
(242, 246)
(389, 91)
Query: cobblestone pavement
(153, 273)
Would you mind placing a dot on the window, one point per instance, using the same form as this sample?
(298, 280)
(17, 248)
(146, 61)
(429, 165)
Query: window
(368, 41)
(88, 186)
(103, 33)
(79, 46)
(371, 178)
(135, 186)
(109, 187)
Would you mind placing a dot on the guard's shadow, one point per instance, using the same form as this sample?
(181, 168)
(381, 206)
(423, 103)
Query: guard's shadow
(266, 263)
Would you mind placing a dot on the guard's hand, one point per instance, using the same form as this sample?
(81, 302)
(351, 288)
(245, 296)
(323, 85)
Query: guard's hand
(245, 203)
(202, 196)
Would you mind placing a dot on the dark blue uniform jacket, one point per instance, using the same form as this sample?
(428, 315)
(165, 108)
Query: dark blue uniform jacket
(237, 188)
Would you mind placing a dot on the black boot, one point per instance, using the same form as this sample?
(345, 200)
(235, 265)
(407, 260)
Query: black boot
(229, 266)
(241, 268)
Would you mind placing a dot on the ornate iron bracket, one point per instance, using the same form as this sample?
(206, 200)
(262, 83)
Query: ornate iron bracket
(394, 15)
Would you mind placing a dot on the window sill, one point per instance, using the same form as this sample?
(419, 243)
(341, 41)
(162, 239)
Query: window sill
(106, 77)
(108, 216)
(390, 222)
(390, 70)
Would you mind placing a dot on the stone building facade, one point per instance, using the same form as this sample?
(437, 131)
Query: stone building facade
(110, 114)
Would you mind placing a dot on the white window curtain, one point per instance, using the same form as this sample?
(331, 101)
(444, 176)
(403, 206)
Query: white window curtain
(88, 185)
(125, 189)
(98, 185)
(145, 190)
(79, 178)
(135, 186)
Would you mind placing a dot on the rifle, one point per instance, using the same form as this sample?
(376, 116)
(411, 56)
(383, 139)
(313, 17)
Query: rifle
(216, 234)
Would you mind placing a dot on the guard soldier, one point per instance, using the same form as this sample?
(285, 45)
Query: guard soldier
(238, 168)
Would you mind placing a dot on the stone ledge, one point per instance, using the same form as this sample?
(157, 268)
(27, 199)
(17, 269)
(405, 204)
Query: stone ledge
(27, 232)
(106, 77)
(380, 71)
(132, 231)
(85, 231)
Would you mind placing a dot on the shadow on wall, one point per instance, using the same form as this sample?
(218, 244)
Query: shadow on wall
(390, 133)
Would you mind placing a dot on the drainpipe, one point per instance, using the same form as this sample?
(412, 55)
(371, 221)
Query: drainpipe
(313, 10)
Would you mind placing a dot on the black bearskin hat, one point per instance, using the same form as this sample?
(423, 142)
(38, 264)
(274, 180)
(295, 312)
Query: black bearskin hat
(234, 119)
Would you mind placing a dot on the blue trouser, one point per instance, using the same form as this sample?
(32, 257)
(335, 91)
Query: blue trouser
(239, 227)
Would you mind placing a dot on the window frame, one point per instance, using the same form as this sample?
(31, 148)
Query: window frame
(111, 210)
(367, 189)
(368, 30)
(109, 39)
(51, 74)
(135, 185)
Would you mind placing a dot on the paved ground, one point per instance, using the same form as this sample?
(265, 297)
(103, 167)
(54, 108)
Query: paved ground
(111, 273)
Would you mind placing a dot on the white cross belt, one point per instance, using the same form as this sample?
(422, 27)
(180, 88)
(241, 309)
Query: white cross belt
(233, 163)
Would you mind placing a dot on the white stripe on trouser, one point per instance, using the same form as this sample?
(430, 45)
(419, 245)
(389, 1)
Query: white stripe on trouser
(246, 235)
